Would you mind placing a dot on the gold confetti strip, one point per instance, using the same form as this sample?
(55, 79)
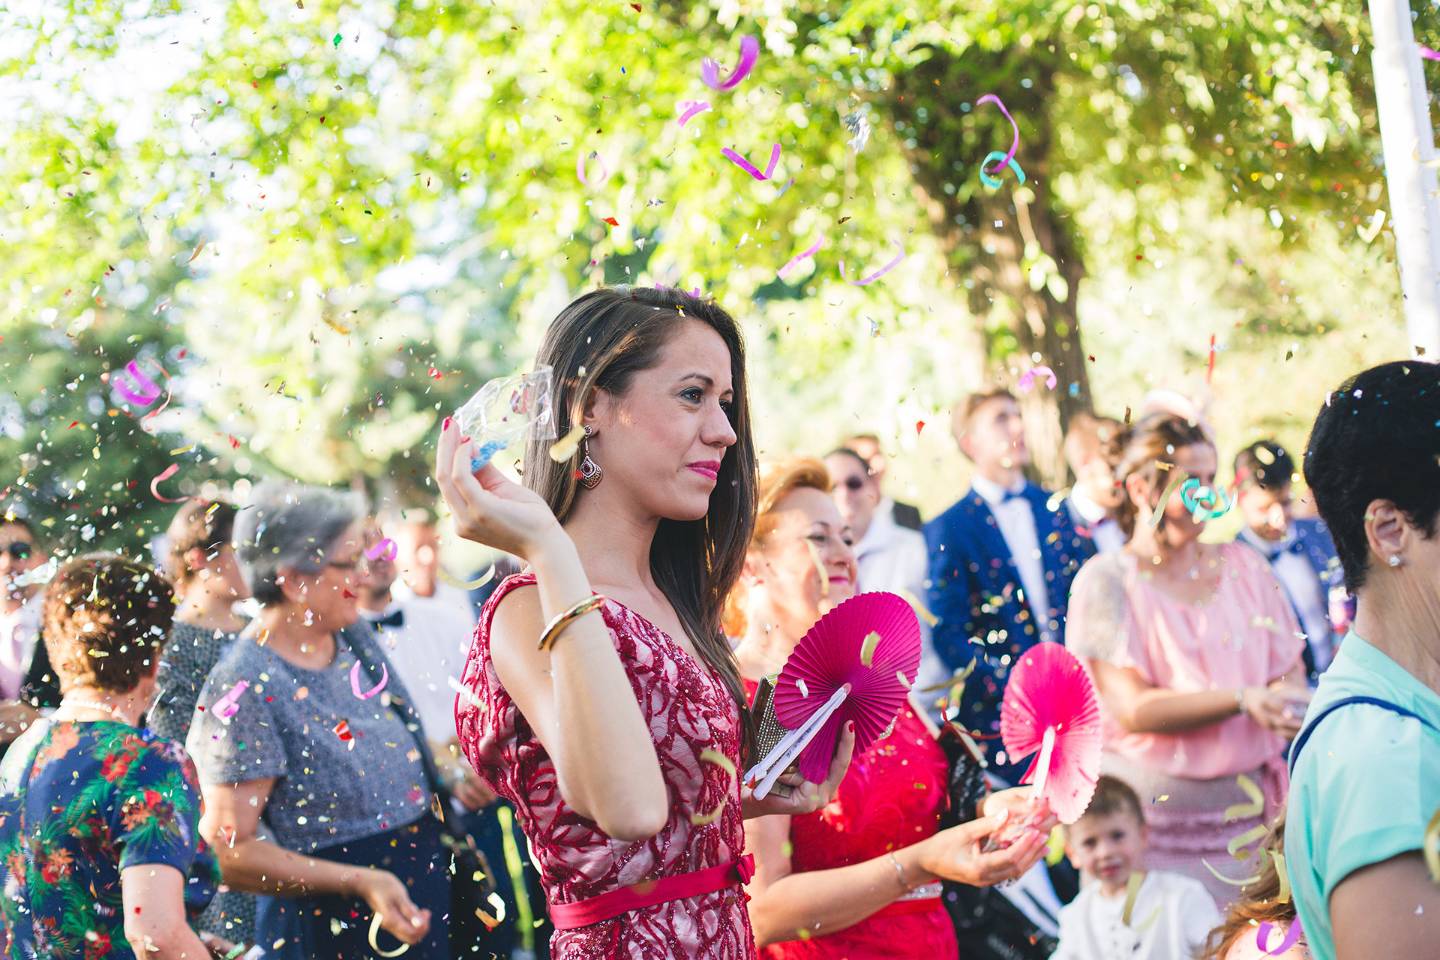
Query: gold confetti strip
(1224, 879)
(705, 819)
(867, 647)
(179, 450)
(1170, 488)
(337, 326)
(1284, 895)
(375, 922)
(904, 681)
(1256, 806)
(1241, 840)
(1132, 891)
(709, 755)
(564, 448)
(1431, 846)
(914, 601)
(477, 583)
(819, 569)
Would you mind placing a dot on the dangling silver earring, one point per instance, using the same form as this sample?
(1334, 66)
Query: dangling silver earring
(590, 472)
(1395, 560)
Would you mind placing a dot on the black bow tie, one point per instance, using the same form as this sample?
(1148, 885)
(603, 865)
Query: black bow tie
(396, 618)
(1012, 495)
(1294, 546)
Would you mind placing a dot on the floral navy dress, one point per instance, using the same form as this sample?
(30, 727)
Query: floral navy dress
(97, 798)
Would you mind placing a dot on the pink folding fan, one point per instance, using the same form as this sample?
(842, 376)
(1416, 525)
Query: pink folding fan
(1050, 707)
(855, 664)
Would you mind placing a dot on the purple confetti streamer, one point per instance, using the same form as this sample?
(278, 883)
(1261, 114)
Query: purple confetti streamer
(795, 260)
(749, 167)
(878, 273)
(710, 70)
(1292, 936)
(1427, 53)
(149, 389)
(1014, 142)
(355, 682)
(691, 108)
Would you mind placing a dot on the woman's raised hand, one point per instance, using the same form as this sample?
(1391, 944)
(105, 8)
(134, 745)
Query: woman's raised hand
(795, 796)
(384, 894)
(489, 508)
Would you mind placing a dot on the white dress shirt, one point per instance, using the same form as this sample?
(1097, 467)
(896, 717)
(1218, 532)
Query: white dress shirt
(1173, 915)
(1304, 589)
(1017, 525)
(427, 651)
(1105, 533)
(18, 632)
(891, 557)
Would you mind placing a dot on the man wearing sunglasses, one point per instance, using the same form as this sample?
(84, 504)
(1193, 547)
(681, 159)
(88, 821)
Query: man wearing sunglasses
(20, 601)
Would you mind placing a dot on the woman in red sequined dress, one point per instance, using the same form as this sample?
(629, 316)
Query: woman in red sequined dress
(619, 744)
(860, 878)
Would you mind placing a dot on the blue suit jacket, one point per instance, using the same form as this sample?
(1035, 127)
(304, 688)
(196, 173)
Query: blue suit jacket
(974, 590)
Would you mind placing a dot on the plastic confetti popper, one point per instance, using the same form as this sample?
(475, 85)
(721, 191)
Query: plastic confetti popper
(505, 410)
(839, 673)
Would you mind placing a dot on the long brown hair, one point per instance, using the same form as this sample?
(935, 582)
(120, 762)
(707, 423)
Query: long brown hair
(1261, 902)
(1142, 448)
(600, 342)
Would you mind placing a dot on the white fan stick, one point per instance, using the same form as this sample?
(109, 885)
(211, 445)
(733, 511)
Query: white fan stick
(778, 760)
(1042, 766)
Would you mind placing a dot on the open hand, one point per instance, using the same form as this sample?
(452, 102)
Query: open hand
(958, 854)
(386, 895)
(1273, 709)
(795, 796)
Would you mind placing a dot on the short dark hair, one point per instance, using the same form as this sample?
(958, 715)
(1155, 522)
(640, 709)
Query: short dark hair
(105, 619)
(198, 525)
(1113, 795)
(1265, 464)
(966, 409)
(852, 454)
(1376, 438)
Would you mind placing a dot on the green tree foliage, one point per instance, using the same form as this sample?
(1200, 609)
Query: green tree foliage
(350, 214)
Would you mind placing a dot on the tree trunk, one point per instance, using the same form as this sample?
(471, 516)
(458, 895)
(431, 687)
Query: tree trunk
(998, 239)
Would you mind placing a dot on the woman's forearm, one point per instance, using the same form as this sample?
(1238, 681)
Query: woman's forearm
(606, 756)
(260, 866)
(1161, 710)
(819, 902)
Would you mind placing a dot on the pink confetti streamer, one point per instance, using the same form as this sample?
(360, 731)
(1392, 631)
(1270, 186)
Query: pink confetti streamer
(710, 70)
(749, 167)
(229, 704)
(794, 261)
(160, 478)
(1427, 53)
(386, 547)
(149, 390)
(355, 682)
(690, 109)
(1292, 936)
(580, 163)
(1015, 140)
(1027, 379)
(878, 273)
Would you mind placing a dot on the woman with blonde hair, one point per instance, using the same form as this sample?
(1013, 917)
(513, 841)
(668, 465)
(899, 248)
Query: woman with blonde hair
(860, 878)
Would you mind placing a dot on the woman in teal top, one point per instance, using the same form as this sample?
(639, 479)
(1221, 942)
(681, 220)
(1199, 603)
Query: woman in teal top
(1365, 778)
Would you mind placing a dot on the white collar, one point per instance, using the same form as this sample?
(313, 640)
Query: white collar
(1090, 511)
(991, 492)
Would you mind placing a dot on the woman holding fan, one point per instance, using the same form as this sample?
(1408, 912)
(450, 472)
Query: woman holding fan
(617, 736)
(860, 878)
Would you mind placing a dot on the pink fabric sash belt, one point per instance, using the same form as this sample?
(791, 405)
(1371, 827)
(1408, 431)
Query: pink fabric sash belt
(608, 906)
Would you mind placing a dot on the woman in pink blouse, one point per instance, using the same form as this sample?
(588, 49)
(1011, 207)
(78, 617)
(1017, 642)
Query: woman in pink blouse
(1195, 654)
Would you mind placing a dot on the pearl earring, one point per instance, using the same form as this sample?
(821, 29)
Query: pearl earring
(1394, 560)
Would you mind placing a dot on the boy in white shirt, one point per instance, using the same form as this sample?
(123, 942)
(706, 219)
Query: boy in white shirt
(1172, 915)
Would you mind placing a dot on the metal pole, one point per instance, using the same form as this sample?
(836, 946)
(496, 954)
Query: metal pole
(1409, 145)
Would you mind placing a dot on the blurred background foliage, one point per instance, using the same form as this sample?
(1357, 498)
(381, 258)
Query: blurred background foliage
(329, 222)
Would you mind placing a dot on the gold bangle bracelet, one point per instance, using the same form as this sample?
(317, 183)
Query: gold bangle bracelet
(554, 628)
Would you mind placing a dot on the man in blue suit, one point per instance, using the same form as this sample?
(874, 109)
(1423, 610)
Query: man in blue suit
(1300, 551)
(1001, 562)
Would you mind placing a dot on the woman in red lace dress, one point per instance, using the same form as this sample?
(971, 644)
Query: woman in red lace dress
(617, 737)
(860, 878)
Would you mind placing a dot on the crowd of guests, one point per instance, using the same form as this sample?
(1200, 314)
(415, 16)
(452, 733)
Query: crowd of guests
(284, 739)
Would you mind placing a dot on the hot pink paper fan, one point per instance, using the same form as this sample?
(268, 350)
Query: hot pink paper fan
(828, 657)
(1049, 688)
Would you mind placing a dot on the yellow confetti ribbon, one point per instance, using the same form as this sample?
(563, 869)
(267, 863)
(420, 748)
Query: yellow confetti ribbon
(867, 647)
(1256, 806)
(1241, 840)
(375, 922)
(1170, 488)
(1284, 895)
(1132, 892)
(564, 448)
(709, 755)
(914, 601)
(477, 583)
(1431, 846)
(1224, 879)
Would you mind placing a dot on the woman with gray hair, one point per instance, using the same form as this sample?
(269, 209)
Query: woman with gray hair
(293, 726)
